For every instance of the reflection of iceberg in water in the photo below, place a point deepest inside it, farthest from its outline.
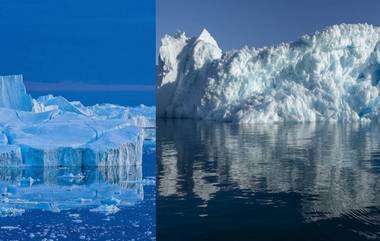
(104, 189)
(334, 167)
(168, 179)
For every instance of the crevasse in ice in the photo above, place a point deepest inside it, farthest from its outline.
(52, 131)
(331, 75)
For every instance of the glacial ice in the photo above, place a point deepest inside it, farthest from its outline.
(52, 131)
(13, 93)
(332, 75)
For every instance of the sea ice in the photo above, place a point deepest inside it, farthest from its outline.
(332, 75)
(106, 209)
(10, 212)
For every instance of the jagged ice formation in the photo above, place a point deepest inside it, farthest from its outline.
(332, 75)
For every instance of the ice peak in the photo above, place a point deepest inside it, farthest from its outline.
(13, 93)
(180, 34)
(12, 76)
(206, 37)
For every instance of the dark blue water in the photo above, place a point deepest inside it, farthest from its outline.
(60, 206)
(268, 182)
(125, 98)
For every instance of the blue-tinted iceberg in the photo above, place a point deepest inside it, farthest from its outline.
(332, 75)
(52, 131)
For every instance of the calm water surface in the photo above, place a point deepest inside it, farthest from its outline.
(268, 182)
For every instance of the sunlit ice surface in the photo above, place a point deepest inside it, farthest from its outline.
(223, 181)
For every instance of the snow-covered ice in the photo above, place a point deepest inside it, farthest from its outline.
(52, 131)
(332, 75)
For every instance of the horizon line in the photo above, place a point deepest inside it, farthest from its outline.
(86, 87)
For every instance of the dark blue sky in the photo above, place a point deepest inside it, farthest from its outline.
(91, 41)
(235, 23)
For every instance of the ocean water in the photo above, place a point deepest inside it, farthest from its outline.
(63, 203)
(220, 181)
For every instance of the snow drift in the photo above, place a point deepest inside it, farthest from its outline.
(52, 131)
(332, 75)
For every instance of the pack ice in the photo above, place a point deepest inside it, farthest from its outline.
(332, 75)
(52, 131)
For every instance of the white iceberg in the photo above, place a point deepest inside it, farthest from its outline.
(332, 75)
(52, 131)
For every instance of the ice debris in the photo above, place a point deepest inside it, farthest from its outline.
(106, 209)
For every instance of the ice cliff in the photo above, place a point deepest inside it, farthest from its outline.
(52, 131)
(13, 94)
(332, 75)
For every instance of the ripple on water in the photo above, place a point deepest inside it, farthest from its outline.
(283, 177)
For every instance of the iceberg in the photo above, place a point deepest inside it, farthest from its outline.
(331, 75)
(52, 131)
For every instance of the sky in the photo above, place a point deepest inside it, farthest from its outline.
(84, 43)
(258, 23)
